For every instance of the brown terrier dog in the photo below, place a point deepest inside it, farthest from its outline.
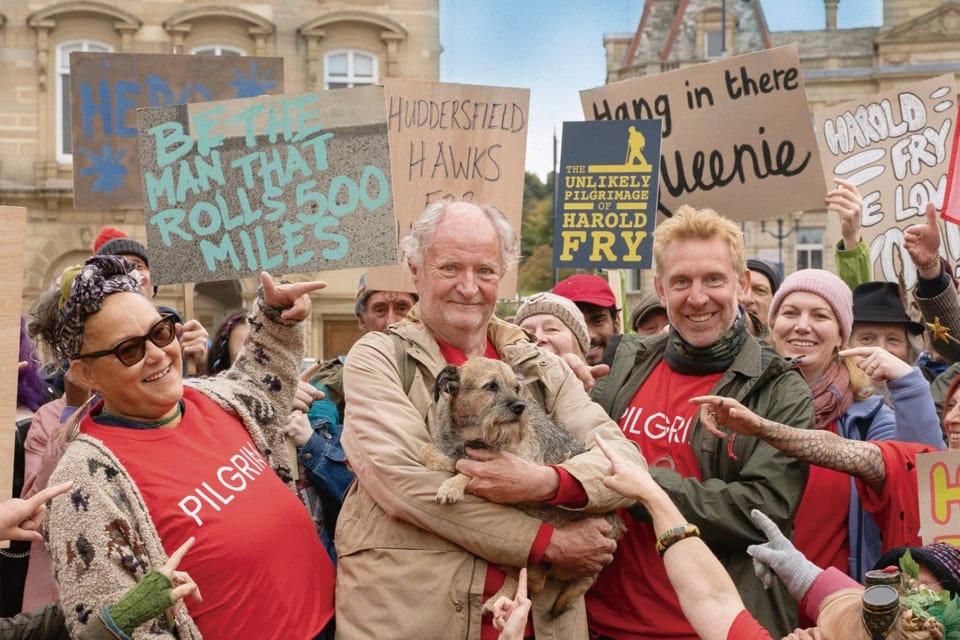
(481, 406)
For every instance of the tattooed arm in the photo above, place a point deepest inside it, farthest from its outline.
(860, 459)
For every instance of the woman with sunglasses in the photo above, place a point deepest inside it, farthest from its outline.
(157, 461)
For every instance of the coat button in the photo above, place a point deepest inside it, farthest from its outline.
(308, 457)
(458, 605)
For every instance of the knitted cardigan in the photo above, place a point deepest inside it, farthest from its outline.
(100, 535)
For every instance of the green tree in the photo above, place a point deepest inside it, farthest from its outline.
(536, 246)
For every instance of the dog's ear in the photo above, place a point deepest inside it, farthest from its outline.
(447, 382)
(520, 379)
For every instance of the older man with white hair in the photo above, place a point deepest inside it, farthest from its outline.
(410, 568)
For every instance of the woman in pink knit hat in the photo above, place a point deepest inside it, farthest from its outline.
(810, 321)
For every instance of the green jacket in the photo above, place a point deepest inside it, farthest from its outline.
(854, 266)
(737, 476)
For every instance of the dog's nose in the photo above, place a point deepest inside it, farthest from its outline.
(518, 406)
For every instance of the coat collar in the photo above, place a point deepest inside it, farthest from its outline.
(511, 342)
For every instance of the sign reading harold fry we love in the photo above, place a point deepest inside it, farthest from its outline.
(938, 475)
(106, 89)
(895, 148)
(285, 184)
(737, 133)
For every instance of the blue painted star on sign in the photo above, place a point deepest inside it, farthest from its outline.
(250, 86)
(107, 167)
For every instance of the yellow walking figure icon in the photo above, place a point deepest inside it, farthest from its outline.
(635, 144)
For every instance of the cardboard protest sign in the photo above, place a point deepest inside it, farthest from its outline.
(454, 141)
(278, 183)
(737, 133)
(106, 89)
(895, 148)
(938, 475)
(607, 208)
(14, 221)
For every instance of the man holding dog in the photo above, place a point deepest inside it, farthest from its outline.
(412, 568)
(700, 274)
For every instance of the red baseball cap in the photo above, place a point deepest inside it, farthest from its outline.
(587, 288)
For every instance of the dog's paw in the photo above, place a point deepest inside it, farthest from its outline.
(452, 490)
(449, 495)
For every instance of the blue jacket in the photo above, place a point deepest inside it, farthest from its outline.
(913, 419)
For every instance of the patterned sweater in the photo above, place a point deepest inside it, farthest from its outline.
(100, 535)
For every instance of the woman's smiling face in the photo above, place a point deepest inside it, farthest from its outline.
(149, 389)
(807, 327)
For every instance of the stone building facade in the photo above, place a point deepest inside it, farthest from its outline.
(919, 39)
(324, 44)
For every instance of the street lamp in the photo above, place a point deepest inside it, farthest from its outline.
(780, 235)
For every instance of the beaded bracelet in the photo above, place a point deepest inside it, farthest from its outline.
(671, 536)
(928, 265)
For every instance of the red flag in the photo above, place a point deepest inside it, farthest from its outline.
(951, 199)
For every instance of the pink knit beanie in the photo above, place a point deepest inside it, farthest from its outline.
(826, 285)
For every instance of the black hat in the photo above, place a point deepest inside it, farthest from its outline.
(113, 242)
(770, 270)
(879, 303)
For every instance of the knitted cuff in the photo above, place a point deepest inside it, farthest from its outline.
(146, 600)
(798, 576)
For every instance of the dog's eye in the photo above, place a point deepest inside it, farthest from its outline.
(516, 388)
(491, 386)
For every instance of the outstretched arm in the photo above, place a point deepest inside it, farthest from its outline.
(707, 595)
(860, 459)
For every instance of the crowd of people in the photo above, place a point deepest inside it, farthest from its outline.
(756, 434)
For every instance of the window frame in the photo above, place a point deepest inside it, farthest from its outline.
(350, 80)
(706, 43)
(62, 104)
(218, 50)
(809, 248)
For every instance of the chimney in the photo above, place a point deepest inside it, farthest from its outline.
(831, 7)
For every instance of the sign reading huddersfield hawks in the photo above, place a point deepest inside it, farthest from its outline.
(607, 205)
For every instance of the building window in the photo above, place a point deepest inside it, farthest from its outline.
(809, 248)
(713, 44)
(349, 68)
(217, 50)
(64, 131)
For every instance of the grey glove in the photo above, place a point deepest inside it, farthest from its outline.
(778, 555)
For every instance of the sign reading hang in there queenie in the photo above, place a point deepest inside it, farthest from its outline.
(737, 133)
(895, 148)
(106, 89)
(607, 208)
(286, 184)
(938, 476)
(14, 221)
(454, 141)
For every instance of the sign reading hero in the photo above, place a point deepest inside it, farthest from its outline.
(285, 184)
(608, 194)
(106, 89)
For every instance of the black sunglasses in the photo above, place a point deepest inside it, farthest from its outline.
(132, 350)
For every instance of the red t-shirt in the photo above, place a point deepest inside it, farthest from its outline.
(632, 597)
(820, 526)
(257, 559)
(896, 508)
(746, 627)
